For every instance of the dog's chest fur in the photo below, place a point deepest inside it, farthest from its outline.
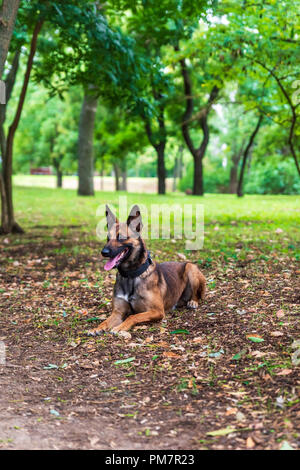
(126, 289)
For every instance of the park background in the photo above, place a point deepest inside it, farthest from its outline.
(169, 102)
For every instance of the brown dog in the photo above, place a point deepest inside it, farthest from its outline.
(144, 290)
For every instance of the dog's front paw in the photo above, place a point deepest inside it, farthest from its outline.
(97, 331)
(192, 304)
(125, 326)
(94, 332)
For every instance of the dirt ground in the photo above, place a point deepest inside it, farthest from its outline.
(221, 377)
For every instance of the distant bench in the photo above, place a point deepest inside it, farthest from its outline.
(41, 171)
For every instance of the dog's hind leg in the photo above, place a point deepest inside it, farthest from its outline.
(196, 282)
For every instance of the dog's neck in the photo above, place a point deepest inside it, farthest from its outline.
(134, 267)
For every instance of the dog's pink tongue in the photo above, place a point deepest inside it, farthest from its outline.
(112, 262)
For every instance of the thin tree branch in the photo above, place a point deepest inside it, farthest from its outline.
(245, 157)
(293, 110)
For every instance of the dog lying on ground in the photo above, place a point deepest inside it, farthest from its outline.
(144, 290)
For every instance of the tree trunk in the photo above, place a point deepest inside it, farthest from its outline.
(85, 143)
(175, 174)
(180, 162)
(290, 140)
(2, 140)
(124, 180)
(4, 212)
(7, 208)
(158, 140)
(59, 173)
(160, 151)
(197, 153)
(245, 156)
(233, 178)
(59, 179)
(8, 14)
(198, 188)
(102, 176)
(9, 85)
(177, 167)
(122, 168)
(161, 170)
(117, 176)
(235, 160)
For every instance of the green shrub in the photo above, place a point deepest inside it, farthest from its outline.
(270, 177)
(273, 178)
(216, 178)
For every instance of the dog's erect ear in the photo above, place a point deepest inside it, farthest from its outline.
(110, 217)
(134, 220)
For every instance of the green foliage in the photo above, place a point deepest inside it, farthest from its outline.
(79, 46)
(126, 49)
(48, 132)
(273, 177)
(216, 178)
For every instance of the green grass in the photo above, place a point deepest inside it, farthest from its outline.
(54, 206)
(228, 220)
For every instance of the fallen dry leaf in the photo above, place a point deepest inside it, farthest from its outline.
(250, 443)
(197, 340)
(285, 372)
(163, 344)
(171, 355)
(280, 314)
(231, 411)
(149, 339)
(125, 334)
(257, 353)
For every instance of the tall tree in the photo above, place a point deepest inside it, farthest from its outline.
(156, 28)
(9, 82)
(158, 140)
(72, 24)
(106, 61)
(120, 142)
(86, 143)
(266, 38)
(8, 14)
(9, 223)
(198, 153)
